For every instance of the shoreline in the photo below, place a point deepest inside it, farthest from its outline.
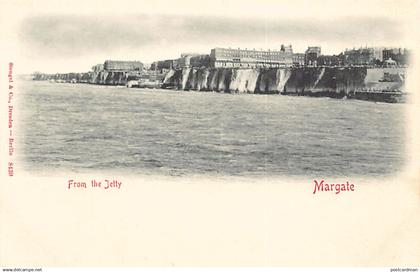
(372, 96)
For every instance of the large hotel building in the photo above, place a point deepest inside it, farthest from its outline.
(243, 58)
(118, 65)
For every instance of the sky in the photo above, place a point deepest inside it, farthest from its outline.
(74, 43)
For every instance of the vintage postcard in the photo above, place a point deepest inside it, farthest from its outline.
(209, 133)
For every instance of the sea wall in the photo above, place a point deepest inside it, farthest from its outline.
(312, 81)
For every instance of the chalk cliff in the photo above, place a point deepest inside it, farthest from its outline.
(313, 81)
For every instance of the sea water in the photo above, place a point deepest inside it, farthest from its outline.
(82, 128)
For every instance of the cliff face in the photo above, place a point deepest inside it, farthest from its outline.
(314, 81)
(228, 80)
(109, 78)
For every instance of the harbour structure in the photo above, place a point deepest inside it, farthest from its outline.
(244, 58)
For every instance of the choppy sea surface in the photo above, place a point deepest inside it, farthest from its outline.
(81, 128)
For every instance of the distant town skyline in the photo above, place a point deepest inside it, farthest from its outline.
(75, 43)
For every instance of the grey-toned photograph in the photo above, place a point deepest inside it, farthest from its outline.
(210, 134)
(182, 95)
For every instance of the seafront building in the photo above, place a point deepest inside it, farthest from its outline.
(399, 55)
(186, 60)
(111, 69)
(378, 53)
(298, 59)
(200, 61)
(97, 68)
(329, 60)
(119, 65)
(377, 56)
(231, 58)
(361, 56)
(311, 55)
(163, 65)
(117, 72)
(244, 58)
